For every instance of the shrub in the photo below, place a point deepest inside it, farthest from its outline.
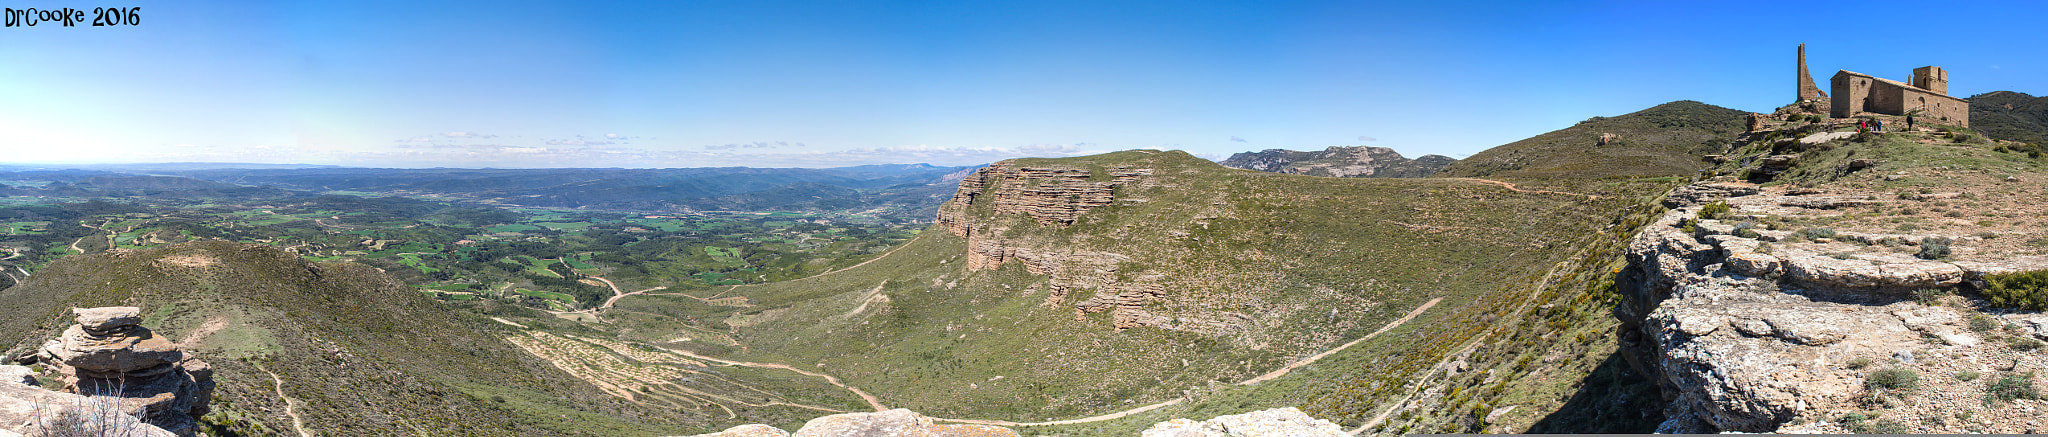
(1982, 323)
(2010, 387)
(1746, 230)
(2027, 290)
(1859, 362)
(1895, 381)
(1715, 211)
(1968, 375)
(1812, 233)
(1934, 247)
(1929, 296)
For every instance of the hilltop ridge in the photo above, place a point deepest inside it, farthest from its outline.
(1663, 140)
(1340, 161)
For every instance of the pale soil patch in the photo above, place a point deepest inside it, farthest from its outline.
(199, 335)
(190, 260)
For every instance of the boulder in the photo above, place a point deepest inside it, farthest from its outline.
(108, 354)
(893, 423)
(748, 430)
(106, 319)
(1288, 421)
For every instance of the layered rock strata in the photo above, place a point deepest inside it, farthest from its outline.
(1052, 196)
(107, 354)
(1747, 330)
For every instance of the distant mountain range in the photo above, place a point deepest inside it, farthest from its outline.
(1340, 161)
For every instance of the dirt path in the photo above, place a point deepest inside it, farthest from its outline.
(508, 322)
(290, 406)
(1312, 359)
(1421, 384)
(1512, 187)
(872, 401)
(1261, 378)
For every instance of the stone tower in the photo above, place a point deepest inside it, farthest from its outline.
(1931, 78)
(1807, 89)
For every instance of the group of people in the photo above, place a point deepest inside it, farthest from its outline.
(1875, 125)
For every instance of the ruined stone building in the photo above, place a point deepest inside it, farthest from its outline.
(1807, 90)
(1857, 92)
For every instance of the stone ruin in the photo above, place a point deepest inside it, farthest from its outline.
(108, 362)
(1808, 91)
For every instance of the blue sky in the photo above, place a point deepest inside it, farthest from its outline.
(828, 83)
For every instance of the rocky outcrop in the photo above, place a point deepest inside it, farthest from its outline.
(1049, 195)
(1275, 422)
(1052, 196)
(893, 423)
(107, 354)
(1747, 337)
(748, 430)
(1341, 162)
(1701, 194)
(27, 409)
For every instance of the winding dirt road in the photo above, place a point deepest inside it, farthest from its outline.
(1512, 187)
(1261, 378)
(872, 401)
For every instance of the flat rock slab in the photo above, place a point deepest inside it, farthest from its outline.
(1825, 137)
(106, 318)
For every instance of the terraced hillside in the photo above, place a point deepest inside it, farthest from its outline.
(1063, 288)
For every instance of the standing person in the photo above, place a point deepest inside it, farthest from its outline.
(1909, 121)
(1880, 125)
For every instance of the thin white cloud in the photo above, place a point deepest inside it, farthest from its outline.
(1366, 138)
(1234, 138)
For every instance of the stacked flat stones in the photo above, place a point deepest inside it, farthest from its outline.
(109, 354)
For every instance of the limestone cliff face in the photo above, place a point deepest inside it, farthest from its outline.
(1051, 196)
(1754, 329)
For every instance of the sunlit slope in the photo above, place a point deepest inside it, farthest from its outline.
(1666, 139)
(1214, 274)
(358, 352)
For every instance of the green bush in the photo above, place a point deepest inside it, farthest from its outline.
(2023, 344)
(1929, 296)
(1982, 323)
(1812, 233)
(1859, 362)
(1715, 211)
(1968, 375)
(1895, 381)
(1746, 230)
(1934, 247)
(2026, 290)
(2010, 387)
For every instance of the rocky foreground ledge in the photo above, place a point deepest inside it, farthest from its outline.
(1751, 329)
(1288, 422)
(119, 379)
